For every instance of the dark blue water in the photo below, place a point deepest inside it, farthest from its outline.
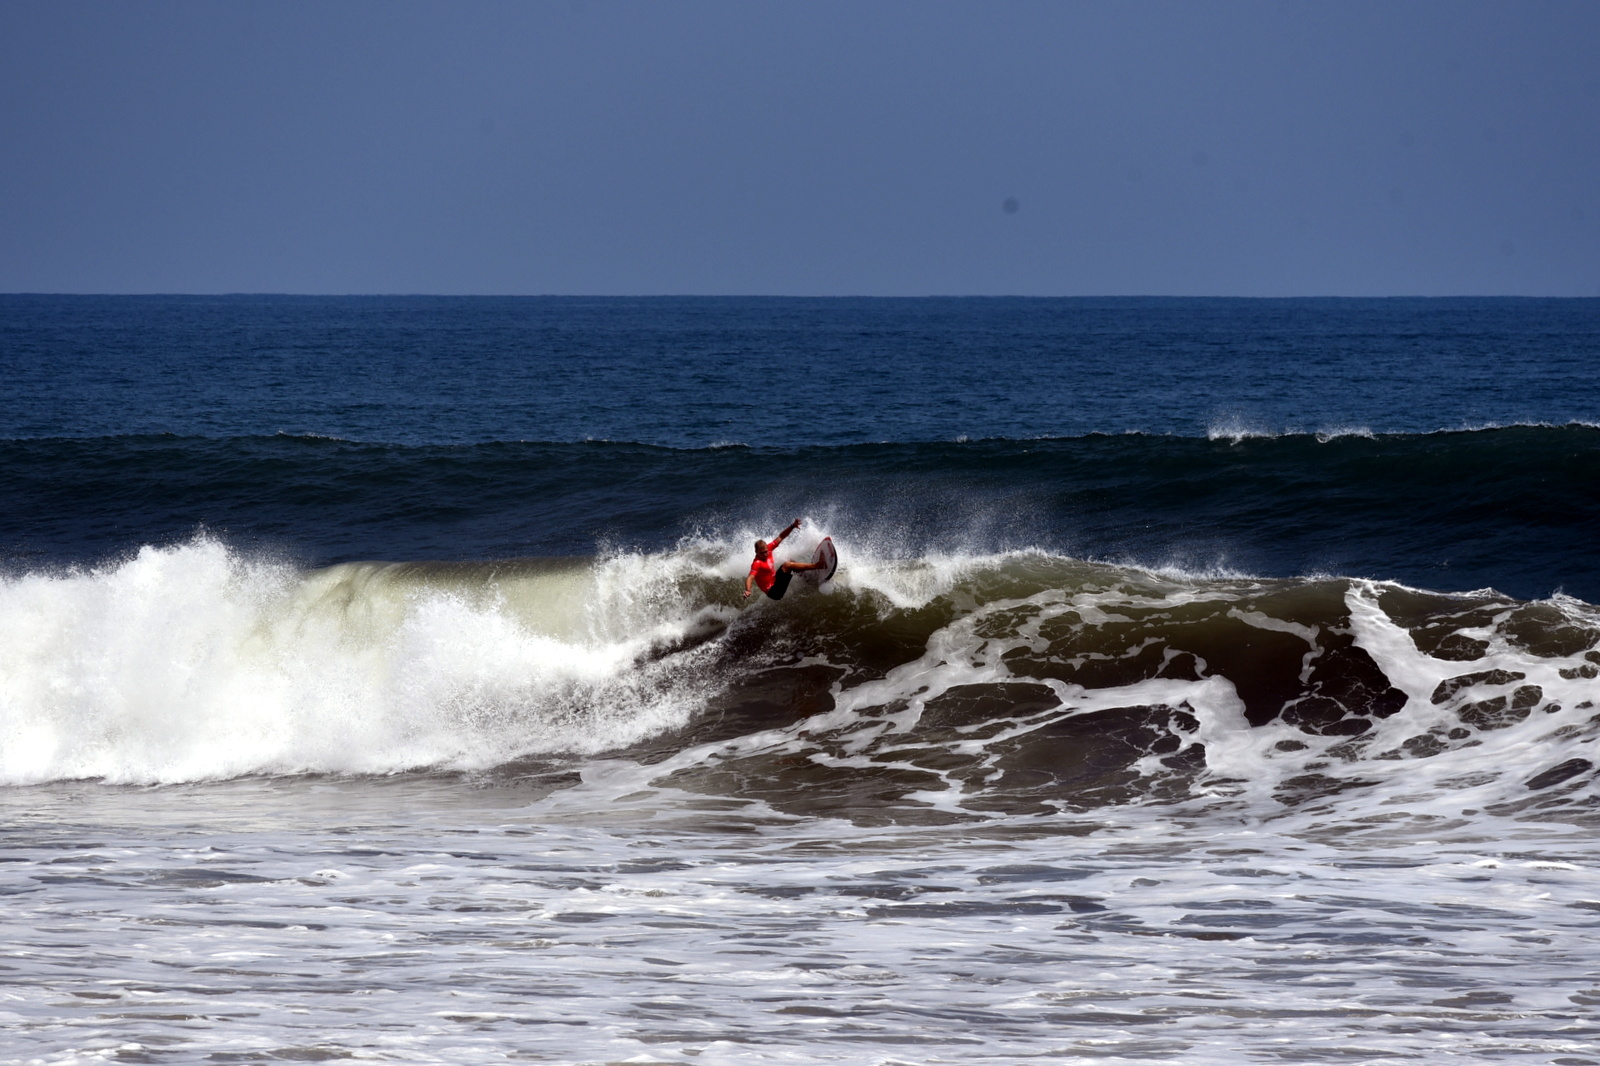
(1442, 443)
(688, 373)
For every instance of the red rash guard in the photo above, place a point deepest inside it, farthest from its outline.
(764, 571)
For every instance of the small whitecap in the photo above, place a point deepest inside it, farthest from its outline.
(1234, 429)
(1335, 432)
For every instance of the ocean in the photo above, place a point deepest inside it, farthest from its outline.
(1204, 681)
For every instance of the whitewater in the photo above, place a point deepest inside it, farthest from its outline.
(197, 662)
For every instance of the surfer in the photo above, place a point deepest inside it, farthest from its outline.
(765, 572)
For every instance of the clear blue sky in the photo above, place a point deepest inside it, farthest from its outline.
(862, 147)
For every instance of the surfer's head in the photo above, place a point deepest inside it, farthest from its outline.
(761, 549)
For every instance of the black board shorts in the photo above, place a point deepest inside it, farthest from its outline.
(780, 584)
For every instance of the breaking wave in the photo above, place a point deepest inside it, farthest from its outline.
(924, 688)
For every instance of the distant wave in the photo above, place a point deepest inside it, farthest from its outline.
(1235, 431)
(1508, 507)
(1227, 430)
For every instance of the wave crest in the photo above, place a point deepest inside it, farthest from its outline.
(927, 687)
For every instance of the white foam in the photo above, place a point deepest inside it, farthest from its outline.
(196, 662)
(1234, 428)
(1250, 764)
(1335, 432)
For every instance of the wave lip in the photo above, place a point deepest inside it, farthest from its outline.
(1336, 432)
(1235, 429)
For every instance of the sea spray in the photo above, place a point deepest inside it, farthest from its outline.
(199, 662)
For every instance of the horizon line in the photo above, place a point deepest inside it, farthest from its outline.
(780, 296)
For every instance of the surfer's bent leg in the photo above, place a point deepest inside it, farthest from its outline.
(780, 582)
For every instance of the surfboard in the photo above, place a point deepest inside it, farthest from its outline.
(825, 554)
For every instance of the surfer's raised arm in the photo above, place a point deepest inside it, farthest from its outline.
(790, 528)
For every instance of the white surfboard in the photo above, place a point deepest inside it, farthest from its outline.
(825, 554)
